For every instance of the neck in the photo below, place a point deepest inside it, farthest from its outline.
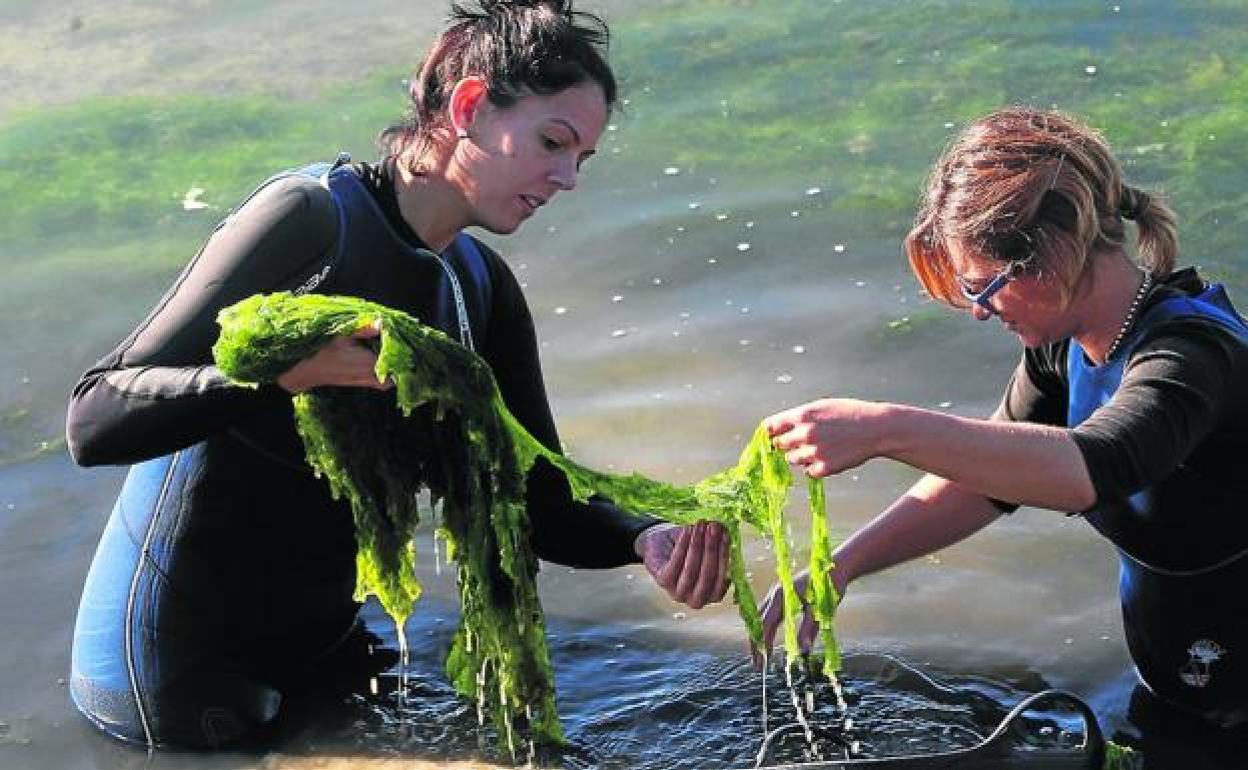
(430, 204)
(1112, 303)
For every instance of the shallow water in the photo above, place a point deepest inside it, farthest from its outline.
(734, 249)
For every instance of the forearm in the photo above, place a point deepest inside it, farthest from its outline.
(1022, 463)
(934, 514)
(127, 415)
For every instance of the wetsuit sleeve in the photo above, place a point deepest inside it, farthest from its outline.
(592, 534)
(159, 391)
(1035, 394)
(1178, 386)
(1037, 389)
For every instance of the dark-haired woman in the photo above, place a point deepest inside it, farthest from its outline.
(225, 574)
(1129, 406)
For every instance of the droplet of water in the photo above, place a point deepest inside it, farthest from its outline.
(784, 379)
(619, 333)
(860, 284)
(749, 225)
(813, 191)
(743, 246)
(1090, 69)
(694, 206)
(672, 171)
(712, 261)
(799, 349)
(721, 217)
(678, 616)
(618, 298)
(745, 310)
(838, 248)
(560, 310)
(795, 214)
(657, 281)
(945, 404)
(743, 343)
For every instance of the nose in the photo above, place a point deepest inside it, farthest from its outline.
(564, 173)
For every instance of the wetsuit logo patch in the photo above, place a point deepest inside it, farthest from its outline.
(1204, 653)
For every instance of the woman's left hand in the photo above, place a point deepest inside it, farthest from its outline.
(689, 562)
(828, 436)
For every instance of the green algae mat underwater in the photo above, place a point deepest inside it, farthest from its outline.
(444, 428)
(857, 98)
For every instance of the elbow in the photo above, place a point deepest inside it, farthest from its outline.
(83, 443)
(88, 437)
(1083, 502)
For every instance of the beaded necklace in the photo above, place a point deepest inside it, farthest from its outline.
(1129, 319)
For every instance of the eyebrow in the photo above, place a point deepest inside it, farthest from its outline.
(575, 134)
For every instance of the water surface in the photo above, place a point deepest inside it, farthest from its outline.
(734, 249)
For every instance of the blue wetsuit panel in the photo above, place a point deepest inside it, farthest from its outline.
(1182, 626)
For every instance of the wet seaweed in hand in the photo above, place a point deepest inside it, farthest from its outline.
(444, 428)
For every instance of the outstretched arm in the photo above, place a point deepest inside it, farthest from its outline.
(1017, 462)
(934, 514)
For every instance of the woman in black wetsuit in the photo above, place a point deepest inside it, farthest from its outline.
(226, 571)
(1129, 406)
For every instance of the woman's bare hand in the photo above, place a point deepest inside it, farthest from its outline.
(343, 361)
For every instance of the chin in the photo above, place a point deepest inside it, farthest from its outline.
(500, 228)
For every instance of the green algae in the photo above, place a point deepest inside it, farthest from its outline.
(1119, 757)
(445, 429)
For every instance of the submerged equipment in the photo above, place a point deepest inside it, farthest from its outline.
(444, 428)
(1006, 747)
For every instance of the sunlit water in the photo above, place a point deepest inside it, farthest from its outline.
(694, 284)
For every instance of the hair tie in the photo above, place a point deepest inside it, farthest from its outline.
(1131, 202)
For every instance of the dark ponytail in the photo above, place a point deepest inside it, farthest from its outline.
(517, 47)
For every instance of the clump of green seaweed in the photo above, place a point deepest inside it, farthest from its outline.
(445, 428)
(1119, 757)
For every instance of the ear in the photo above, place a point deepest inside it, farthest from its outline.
(467, 98)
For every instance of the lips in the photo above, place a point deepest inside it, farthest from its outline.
(532, 202)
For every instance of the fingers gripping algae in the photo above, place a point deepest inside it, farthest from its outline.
(444, 428)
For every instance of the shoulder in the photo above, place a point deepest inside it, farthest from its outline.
(1192, 329)
(295, 204)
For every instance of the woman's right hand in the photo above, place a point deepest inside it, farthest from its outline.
(343, 361)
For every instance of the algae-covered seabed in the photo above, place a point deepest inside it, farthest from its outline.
(733, 249)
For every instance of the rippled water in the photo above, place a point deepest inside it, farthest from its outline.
(734, 249)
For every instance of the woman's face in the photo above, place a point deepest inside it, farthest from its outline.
(517, 158)
(1032, 305)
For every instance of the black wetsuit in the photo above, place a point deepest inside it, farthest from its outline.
(1163, 429)
(227, 569)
